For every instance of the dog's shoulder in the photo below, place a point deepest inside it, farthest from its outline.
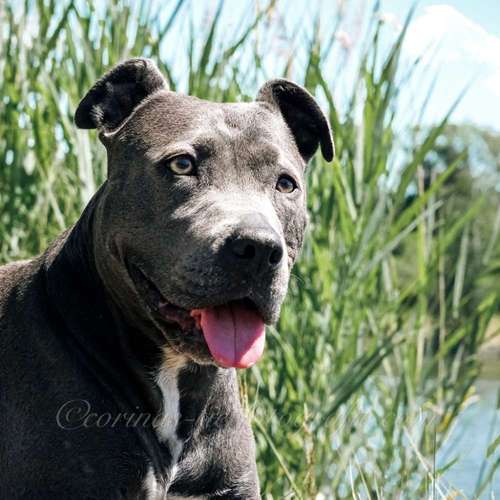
(20, 287)
(14, 274)
(23, 288)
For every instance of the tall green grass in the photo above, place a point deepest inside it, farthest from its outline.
(373, 357)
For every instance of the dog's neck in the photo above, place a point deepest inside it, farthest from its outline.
(90, 321)
(120, 356)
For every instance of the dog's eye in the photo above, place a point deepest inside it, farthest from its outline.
(181, 165)
(286, 184)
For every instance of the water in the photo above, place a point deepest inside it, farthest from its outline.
(475, 429)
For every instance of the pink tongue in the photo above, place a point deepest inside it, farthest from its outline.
(235, 334)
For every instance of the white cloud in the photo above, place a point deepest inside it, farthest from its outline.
(493, 83)
(453, 36)
(461, 52)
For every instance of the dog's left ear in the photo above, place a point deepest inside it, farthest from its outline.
(307, 123)
(115, 95)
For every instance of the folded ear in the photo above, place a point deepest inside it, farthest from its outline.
(114, 96)
(304, 117)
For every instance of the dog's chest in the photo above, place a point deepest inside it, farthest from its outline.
(166, 425)
(185, 390)
(155, 491)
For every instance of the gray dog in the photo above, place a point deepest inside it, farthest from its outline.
(118, 344)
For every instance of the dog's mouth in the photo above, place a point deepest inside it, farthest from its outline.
(234, 332)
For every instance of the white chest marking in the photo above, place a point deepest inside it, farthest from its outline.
(166, 425)
(155, 491)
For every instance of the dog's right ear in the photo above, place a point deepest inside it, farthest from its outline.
(307, 123)
(114, 96)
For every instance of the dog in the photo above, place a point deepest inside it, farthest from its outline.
(119, 344)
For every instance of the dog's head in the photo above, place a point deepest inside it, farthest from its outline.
(203, 212)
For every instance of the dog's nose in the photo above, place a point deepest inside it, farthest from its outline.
(258, 248)
(254, 249)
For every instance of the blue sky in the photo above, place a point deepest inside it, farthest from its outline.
(486, 13)
(459, 40)
(466, 34)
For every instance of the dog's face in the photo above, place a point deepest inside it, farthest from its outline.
(203, 213)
